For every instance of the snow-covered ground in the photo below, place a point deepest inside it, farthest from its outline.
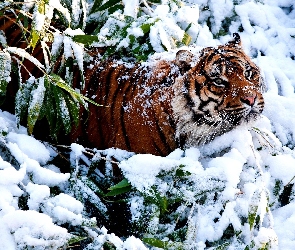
(243, 172)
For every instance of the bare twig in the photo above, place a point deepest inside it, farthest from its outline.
(87, 152)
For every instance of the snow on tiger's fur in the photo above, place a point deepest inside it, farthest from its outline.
(158, 106)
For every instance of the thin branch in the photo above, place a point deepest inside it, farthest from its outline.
(86, 151)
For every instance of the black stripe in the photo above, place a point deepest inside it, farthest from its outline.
(129, 88)
(119, 85)
(160, 152)
(105, 77)
(213, 53)
(122, 121)
(161, 134)
(187, 85)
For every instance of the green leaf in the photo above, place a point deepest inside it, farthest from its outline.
(62, 109)
(49, 110)
(22, 53)
(119, 191)
(252, 215)
(121, 184)
(223, 246)
(74, 239)
(108, 4)
(74, 108)
(181, 173)
(188, 27)
(164, 244)
(116, 7)
(122, 187)
(3, 40)
(36, 101)
(43, 108)
(186, 39)
(85, 39)
(60, 83)
(162, 202)
(146, 27)
(41, 6)
(155, 242)
(35, 37)
(90, 184)
(22, 99)
(5, 70)
(95, 6)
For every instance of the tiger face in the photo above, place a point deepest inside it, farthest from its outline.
(222, 91)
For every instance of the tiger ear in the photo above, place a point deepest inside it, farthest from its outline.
(236, 42)
(183, 60)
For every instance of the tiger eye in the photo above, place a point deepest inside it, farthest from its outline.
(218, 82)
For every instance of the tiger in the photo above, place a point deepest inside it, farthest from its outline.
(157, 106)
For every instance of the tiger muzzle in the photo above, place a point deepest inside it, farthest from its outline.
(249, 99)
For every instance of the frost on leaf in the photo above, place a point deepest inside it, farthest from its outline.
(36, 102)
(5, 68)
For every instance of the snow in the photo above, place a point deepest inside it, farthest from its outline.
(22, 141)
(24, 54)
(131, 7)
(284, 219)
(31, 228)
(242, 172)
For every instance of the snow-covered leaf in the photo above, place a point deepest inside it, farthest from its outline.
(36, 102)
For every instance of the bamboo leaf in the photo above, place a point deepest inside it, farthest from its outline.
(118, 191)
(35, 37)
(75, 239)
(49, 109)
(108, 4)
(116, 7)
(5, 70)
(3, 40)
(62, 109)
(85, 39)
(95, 6)
(253, 208)
(60, 83)
(121, 184)
(181, 173)
(41, 6)
(252, 216)
(24, 54)
(37, 97)
(146, 27)
(186, 39)
(56, 47)
(162, 202)
(90, 184)
(74, 108)
(22, 99)
(155, 242)
(164, 244)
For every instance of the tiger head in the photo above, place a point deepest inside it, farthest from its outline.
(222, 90)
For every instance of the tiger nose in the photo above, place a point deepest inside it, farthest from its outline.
(249, 99)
